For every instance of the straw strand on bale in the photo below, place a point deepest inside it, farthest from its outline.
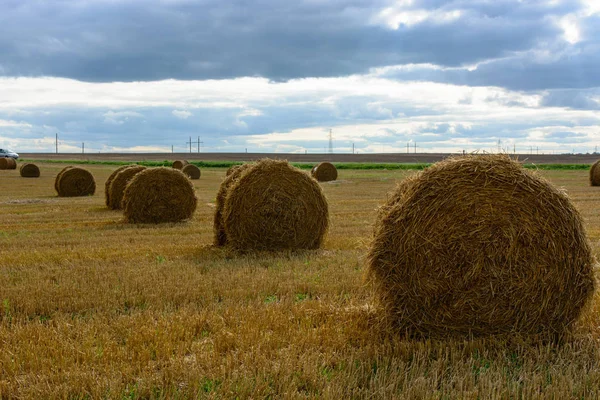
(595, 174)
(192, 171)
(109, 181)
(29, 170)
(479, 245)
(76, 182)
(179, 164)
(119, 183)
(158, 195)
(233, 168)
(274, 206)
(324, 172)
(233, 173)
(57, 179)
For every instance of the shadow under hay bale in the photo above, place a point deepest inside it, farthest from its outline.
(324, 172)
(479, 245)
(274, 206)
(233, 173)
(109, 181)
(191, 171)
(119, 183)
(29, 170)
(159, 195)
(595, 174)
(179, 164)
(57, 179)
(75, 182)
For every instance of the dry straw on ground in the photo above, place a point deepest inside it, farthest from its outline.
(109, 181)
(29, 170)
(479, 245)
(595, 174)
(233, 173)
(57, 179)
(159, 195)
(273, 206)
(119, 183)
(191, 171)
(324, 172)
(179, 164)
(75, 182)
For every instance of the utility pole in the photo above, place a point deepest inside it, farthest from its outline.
(330, 142)
(415, 147)
(352, 147)
(190, 143)
(514, 148)
(82, 148)
(407, 147)
(171, 148)
(56, 142)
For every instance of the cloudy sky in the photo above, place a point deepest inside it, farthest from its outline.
(276, 76)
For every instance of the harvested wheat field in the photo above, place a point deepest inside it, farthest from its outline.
(93, 307)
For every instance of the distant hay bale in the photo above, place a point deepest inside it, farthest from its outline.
(4, 162)
(233, 173)
(595, 174)
(191, 171)
(119, 183)
(109, 181)
(29, 170)
(12, 163)
(159, 195)
(274, 206)
(324, 172)
(75, 182)
(479, 245)
(57, 179)
(179, 164)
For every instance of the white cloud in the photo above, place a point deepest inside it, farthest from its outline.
(182, 114)
(120, 117)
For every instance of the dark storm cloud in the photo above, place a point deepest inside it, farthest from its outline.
(101, 40)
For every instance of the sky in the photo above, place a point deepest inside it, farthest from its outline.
(278, 76)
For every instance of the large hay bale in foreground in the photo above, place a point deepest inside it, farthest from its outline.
(109, 181)
(29, 170)
(274, 206)
(479, 245)
(233, 168)
(179, 164)
(324, 172)
(233, 173)
(191, 171)
(75, 182)
(57, 179)
(119, 183)
(159, 195)
(595, 174)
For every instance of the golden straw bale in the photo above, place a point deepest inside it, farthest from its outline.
(191, 171)
(29, 170)
(179, 164)
(274, 206)
(595, 174)
(233, 168)
(479, 245)
(75, 182)
(57, 179)
(109, 181)
(12, 163)
(4, 162)
(324, 172)
(159, 195)
(119, 183)
(233, 173)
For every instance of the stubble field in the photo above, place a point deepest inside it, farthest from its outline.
(95, 308)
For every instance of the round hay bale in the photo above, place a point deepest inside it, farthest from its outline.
(75, 182)
(179, 164)
(159, 195)
(57, 179)
(274, 206)
(324, 172)
(479, 245)
(191, 171)
(4, 162)
(12, 163)
(119, 183)
(595, 174)
(109, 181)
(233, 173)
(28, 170)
